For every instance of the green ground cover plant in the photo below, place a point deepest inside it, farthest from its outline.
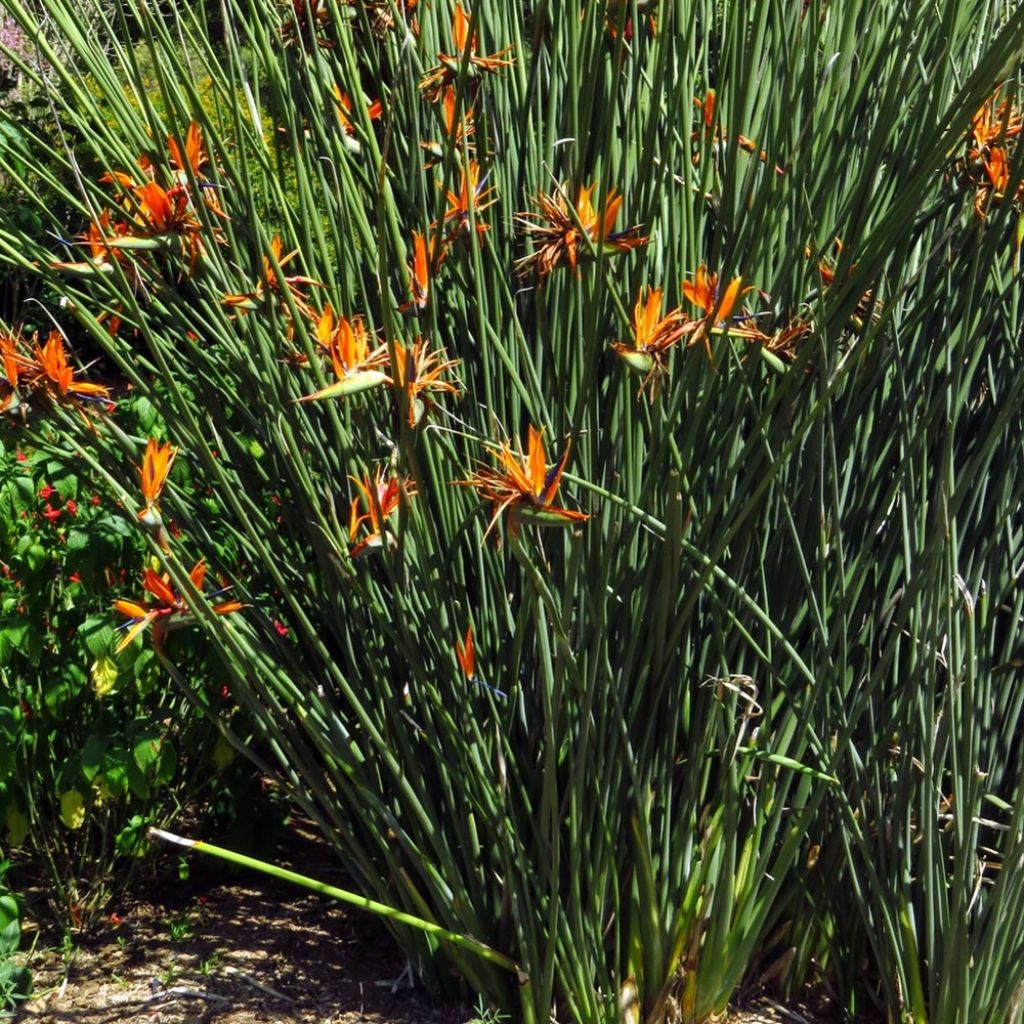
(603, 444)
(95, 748)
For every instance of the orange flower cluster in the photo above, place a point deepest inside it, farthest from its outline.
(447, 70)
(285, 290)
(149, 216)
(376, 502)
(169, 610)
(359, 366)
(524, 485)
(655, 334)
(991, 151)
(563, 234)
(45, 370)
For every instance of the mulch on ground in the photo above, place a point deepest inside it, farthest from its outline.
(233, 947)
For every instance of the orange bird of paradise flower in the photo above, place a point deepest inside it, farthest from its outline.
(995, 181)
(782, 342)
(706, 108)
(169, 610)
(457, 130)
(101, 238)
(343, 108)
(423, 267)
(165, 214)
(192, 156)
(653, 336)
(465, 654)
(560, 235)
(447, 69)
(57, 376)
(309, 19)
(618, 13)
(380, 498)
(705, 294)
(268, 283)
(16, 368)
(417, 372)
(992, 124)
(190, 159)
(524, 485)
(356, 365)
(156, 464)
(471, 195)
(381, 18)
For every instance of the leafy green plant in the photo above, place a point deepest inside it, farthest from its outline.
(95, 749)
(595, 668)
(15, 981)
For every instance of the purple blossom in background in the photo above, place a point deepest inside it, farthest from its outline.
(12, 39)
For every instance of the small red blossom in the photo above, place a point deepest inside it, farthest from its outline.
(21, 456)
(116, 920)
(281, 628)
(94, 500)
(74, 578)
(45, 491)
(71, 507)
(225, 693)
(53, 514)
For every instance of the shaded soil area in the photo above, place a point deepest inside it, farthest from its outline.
(237, 951)
(233, 947)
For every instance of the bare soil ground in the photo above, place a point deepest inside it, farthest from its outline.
(239, 948)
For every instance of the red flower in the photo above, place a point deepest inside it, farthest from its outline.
(45, 491)
(71, 507)
(281, 628)
(21, 456)
(94, 500)
(74, 578)
(116, 920)
(53, 514)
